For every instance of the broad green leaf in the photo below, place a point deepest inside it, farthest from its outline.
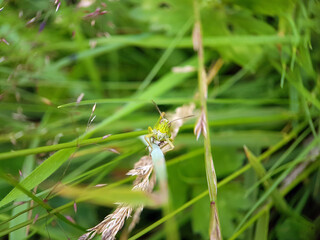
(201, 213)
(244, 21)
(290, 229)
(226, 160)
(271, 7)
(164, 15)
(231, 203)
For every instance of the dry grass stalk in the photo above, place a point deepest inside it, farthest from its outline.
(214, 70)
(312, 156)
(202, 125)
(216, 231)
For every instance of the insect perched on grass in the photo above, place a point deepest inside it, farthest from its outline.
(161, 132)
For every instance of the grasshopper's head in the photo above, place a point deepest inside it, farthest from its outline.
(162, 129)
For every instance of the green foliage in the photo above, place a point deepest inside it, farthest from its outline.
(39, 174)
(232, 209)
(293, 229)
(227, 160)
(265, 96)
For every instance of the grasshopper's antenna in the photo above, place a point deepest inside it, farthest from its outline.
(181, 118)
(156, 107)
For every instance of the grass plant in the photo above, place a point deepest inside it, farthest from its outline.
(77, 81)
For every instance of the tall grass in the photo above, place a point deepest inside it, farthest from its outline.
(250, 68)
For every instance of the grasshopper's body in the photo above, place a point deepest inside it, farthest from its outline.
(161, 133)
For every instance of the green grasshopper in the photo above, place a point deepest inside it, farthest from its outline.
(161, 132)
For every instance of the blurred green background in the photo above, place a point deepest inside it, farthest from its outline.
(122, 54)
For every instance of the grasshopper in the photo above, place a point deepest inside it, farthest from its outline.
(161, 132)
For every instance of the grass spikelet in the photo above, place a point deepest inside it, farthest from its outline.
(200, 126)
(113, 223)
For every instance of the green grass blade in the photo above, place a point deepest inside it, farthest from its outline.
(106, 196)
(38, 175)
(164, 57)
(262, 227)
(72, 144)
(297, 160)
